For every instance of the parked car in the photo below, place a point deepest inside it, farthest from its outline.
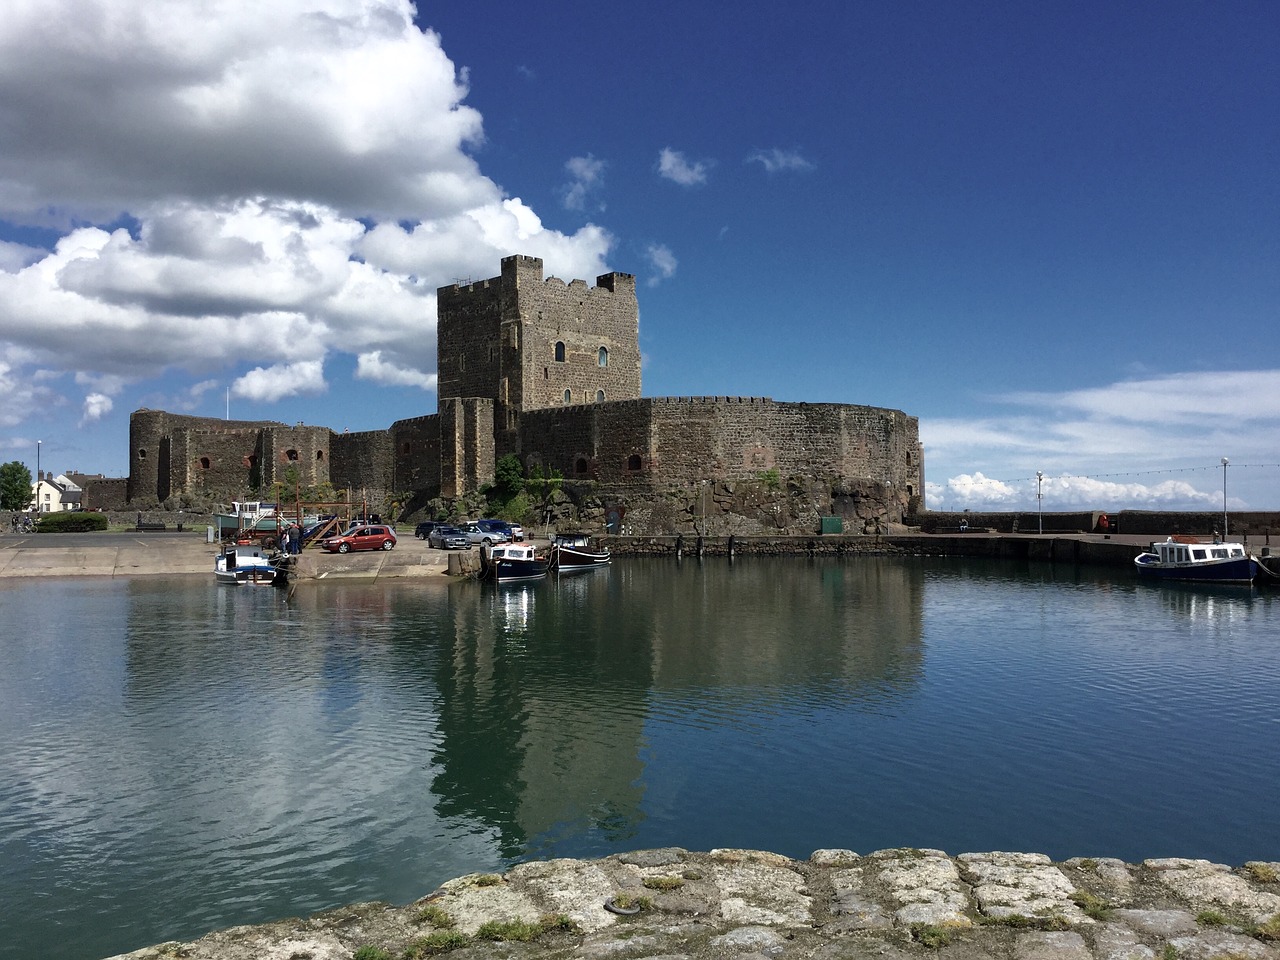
(445, 537)
(362, 538)
(485, 531)
(512, 530)
(423, 530)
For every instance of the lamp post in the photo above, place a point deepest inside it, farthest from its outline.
(1040, 500)
(40, 478)
(1225, 461)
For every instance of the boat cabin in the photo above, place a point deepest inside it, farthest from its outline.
(1173, 552)
(512, 551)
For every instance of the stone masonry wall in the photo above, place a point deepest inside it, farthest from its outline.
(732, 903)
(363, 463)
(597, 330)
(500, 338)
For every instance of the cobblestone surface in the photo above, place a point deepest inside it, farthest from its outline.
(672, 904)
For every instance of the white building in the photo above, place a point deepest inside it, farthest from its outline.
(49, 494)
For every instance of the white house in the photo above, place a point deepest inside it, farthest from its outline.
(49, 494)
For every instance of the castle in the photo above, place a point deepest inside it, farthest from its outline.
(550, 372)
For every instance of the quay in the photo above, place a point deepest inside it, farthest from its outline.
(746, 904)
(188, 554)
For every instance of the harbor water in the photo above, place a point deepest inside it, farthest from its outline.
(179, 756)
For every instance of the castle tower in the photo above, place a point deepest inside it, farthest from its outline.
(529, 343)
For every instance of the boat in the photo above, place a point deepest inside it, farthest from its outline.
(245, 563)
(1188, 558)
(513, 563)
(246, 518)
(571, 552)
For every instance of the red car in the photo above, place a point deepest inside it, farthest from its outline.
(362, 538)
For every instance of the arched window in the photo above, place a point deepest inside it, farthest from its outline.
(204, 463)
(142, 454)
(580, 466)
(291, 454)
(599, 396)
(633, 462)
(319, 454)
(406, 446)
(602, 357)
(568, 396)
(559, 351)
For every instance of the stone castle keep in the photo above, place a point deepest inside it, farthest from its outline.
(550, 371)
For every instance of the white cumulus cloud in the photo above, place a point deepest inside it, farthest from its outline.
(663, 262)
(674, 166)
(241, 186)
(280, 380)
(776, 160)
(586, 180)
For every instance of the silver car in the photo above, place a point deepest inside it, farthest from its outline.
(482, 531)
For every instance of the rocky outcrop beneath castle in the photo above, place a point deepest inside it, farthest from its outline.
(764, 505)
(671, 903)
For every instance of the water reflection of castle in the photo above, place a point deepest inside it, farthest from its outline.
(552, 704)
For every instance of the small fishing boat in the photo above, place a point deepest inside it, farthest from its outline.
(245, 563)
(512, 563)
(1187, 558)
(571, 552)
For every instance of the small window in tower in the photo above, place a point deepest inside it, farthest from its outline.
(603, 357)
(580, 466)
(633, 462)
(406, 447)
(546, 373)
(319, 454)
(559, 351)
(568, 396)
(142, 454)
(599, 396)
(204, 463)
(291, 454)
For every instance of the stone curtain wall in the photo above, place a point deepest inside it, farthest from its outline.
(363, 464)
(416, 443)
(868, 457)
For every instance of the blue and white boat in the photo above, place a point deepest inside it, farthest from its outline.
(1184, 558)
(245, 564)
(512, 563)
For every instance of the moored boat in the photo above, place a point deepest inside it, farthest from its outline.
(1185, 558)
(513, 563)
(571, 552)
(245, 564)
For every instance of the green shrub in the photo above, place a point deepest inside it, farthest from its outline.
(663, 883)
(371, 953)
(71, 522)
(442, 941)
(520, 931)
(435, 916)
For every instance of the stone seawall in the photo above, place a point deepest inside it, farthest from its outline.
(1068, 549)
(672, 903)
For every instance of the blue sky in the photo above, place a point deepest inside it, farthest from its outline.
(1050, 231)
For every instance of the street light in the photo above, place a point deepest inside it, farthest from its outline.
(38, 477)
(1225, 461)
(1039, 500)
